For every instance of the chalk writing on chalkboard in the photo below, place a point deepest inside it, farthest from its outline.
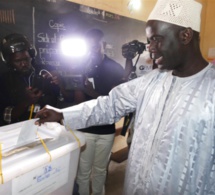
(47, 40)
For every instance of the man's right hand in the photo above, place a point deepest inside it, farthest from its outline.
(33, 95)
(48, 115)
(129, 51)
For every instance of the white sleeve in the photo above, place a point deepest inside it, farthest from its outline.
(105, 109)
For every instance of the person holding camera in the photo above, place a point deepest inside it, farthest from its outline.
(101, 75)
(25, 89)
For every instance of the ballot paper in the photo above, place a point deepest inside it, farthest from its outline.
(27, 132)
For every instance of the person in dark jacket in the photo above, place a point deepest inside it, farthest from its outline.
(101, 75)
(24, 88)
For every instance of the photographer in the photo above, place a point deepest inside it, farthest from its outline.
(25, 89)
(104, 73)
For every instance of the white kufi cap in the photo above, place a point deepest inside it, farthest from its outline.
(186, 13)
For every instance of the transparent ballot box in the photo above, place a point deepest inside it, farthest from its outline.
(38, 160)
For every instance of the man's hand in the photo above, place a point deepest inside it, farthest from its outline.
(129, 51)
(33, 95)
(48, 115)
(55, 78)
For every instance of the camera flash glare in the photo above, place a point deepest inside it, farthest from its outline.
(74, 47)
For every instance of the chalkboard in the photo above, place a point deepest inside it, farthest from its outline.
(15, 17)
(51, 26)
(46, 22)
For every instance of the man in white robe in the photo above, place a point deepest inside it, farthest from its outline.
(173, 148)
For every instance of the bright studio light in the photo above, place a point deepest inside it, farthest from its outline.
(74, 47)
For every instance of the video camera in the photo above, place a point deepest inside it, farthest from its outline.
(41, 83)
(131, 49)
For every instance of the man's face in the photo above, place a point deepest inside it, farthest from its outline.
(96, 50)
(21, 62)
(164, 45)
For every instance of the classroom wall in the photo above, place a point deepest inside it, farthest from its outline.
(121, 7)
(208, 36)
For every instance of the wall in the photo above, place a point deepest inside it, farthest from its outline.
(121, 7)
(208, 37)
